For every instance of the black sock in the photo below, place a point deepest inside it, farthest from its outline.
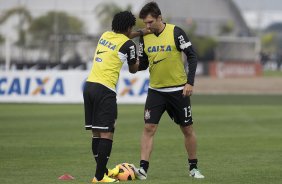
(95, 145)
(193, 163)
(104, 152)
(144, 164)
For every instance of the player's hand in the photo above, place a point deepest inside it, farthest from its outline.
(188, 90)
(146, 31)
(134, 68)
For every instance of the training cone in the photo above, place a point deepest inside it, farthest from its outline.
(66, 177)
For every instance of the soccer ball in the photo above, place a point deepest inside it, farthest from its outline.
(126, 172)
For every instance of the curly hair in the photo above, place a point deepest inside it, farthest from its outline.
(151, 8)
(122, 21)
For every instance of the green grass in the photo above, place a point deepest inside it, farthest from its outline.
(271, 73)
(239, 141)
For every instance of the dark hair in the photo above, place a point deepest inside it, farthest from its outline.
(122, 21)
(151, 8)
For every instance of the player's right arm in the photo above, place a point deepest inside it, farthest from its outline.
(140, 32)
(143, 58)
(128, 53)
(183, 44)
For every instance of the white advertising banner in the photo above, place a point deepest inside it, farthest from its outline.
(65, 86)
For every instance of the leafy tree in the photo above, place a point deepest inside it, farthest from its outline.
(204, 45)
(1, 39)
(48, 32)
(139, 23)
(25, 19)
(272, 38)
(226, 28)
(275, 27)
(268, 42)
(106, 11)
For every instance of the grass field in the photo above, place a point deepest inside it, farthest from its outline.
(239, 141)
(271, 73)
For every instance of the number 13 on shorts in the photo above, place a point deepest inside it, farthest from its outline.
(187, 111)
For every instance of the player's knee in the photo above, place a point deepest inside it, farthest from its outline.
(107, 135)
(150, 128)
(188, 131)
(95, 133)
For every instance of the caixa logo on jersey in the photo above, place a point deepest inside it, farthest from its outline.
(44, 86)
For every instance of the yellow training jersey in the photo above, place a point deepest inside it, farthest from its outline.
(165, 61)
(107, 61)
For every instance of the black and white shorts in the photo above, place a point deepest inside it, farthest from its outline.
(177, 106)
(100, 107)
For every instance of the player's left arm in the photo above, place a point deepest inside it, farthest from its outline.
(127, 53)
(183, 44)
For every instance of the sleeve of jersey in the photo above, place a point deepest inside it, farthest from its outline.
(183, 44)
(127, 52)
(143, 58)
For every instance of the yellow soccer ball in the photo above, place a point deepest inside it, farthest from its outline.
(126, 172)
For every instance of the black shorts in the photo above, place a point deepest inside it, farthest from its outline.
(100, 107)
(177, 106)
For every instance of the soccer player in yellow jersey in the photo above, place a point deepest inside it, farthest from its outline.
(170, 88)
(114, 48)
